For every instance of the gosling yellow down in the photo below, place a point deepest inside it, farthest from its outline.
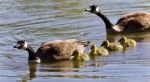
(78, 56)
(112, 46)
(98, 51)
(127, 43)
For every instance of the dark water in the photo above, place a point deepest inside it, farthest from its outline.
(38, 21)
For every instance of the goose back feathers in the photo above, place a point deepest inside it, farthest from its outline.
(60, 50)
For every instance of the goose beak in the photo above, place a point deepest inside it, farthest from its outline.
(16, 46)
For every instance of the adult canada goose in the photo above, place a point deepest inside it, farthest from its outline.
(112, 46)
(127, 43)
(78, 56)
(98, 51)
(54, 50)
(132, 22)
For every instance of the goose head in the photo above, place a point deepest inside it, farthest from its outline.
(93, 9)
(21, 44)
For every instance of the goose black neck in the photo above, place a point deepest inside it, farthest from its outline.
(32, 55)
(108, 24)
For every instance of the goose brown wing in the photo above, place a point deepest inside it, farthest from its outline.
(60, 50)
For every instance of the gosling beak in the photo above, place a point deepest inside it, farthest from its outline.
(119, 40)
(102, 44)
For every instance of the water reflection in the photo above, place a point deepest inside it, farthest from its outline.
(32, 70)
(62, 69)
(139, 37)
(47, 69)
(61, 66)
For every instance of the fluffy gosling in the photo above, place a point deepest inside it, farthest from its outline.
(112, 46)
(78, 56)
(98, 51)
(127, 43)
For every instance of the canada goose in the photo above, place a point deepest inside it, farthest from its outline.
(98, 51)
(54, 50)
(132, 22)
(78, 56)
(127, 43)
(112, 46)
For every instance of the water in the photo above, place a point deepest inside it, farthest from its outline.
(38, 21)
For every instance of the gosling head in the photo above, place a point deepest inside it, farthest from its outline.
(93, 9)
(93, 47)
(123, 39)
(76, 53)
(105, 43)
(21, 44)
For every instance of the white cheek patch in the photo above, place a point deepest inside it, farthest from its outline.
(25, 46)
(97, 9)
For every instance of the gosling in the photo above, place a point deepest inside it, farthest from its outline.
(98, 51)
(112, 46)
(127, 43)
(78, 56)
